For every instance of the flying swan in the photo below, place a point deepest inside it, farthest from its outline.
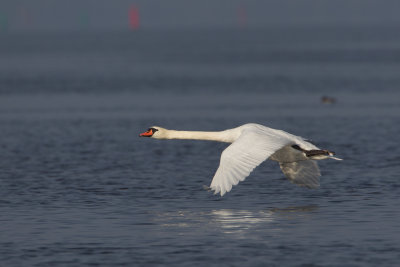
(251, 145)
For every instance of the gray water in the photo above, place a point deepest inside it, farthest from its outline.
(79, 187)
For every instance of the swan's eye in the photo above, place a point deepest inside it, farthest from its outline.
(152, 130)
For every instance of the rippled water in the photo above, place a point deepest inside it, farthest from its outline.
(79, 187)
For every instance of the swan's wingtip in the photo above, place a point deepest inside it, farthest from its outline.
(215, 190)
(207, 188)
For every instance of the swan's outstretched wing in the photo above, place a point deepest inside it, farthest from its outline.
(240, 158)
(303, 173)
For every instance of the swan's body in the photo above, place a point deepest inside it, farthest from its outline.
(251, 145)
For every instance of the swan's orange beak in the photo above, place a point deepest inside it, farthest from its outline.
(149, 133)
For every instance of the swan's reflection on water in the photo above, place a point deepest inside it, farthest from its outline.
(230, 221)
(239, 221)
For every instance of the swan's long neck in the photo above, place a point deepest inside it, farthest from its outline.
(223, 136)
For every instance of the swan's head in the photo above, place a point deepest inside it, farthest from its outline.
(155, 132)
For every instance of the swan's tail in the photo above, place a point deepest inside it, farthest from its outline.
(335, 158)
(317, 154)
(331, 155)
(321, 154)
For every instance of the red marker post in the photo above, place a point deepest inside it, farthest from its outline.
(134, 18)
(242, 16)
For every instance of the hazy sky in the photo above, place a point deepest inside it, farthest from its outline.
(18, 15)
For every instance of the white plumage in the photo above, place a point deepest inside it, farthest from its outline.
(251, 145)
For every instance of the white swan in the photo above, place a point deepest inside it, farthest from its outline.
(251, 145)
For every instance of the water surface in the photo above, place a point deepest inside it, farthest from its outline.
(79, 187)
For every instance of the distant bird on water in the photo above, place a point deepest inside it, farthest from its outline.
(251, 145)
(328, 100)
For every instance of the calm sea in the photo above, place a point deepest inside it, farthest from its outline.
(79, 187)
